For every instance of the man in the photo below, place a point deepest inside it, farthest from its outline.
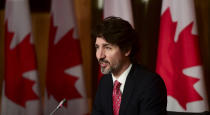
(126, 88)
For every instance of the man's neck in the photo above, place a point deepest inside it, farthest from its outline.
(124, 67)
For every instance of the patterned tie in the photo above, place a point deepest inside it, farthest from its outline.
(116, 97)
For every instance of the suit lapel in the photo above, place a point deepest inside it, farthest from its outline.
(128, 89)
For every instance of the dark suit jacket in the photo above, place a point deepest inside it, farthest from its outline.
(144, 94)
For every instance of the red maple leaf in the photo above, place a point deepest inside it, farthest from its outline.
(19, 60)
(174, 57)
(63, 55)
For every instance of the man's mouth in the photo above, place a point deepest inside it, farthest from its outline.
(103, 63)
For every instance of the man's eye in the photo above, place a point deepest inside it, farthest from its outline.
(108, 48)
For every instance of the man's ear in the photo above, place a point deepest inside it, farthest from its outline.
(127, 53)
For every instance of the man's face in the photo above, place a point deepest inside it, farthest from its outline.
(109, 56)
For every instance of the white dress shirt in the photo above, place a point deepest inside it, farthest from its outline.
(122, 78)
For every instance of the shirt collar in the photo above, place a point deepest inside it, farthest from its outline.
(122, 77)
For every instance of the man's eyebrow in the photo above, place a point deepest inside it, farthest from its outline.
(106, 44)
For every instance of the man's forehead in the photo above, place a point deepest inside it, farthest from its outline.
(101, 40)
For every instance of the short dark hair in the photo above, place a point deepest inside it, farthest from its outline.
(118, 32)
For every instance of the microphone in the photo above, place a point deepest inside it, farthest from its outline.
(59, 106)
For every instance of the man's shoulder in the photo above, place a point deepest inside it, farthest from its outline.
(141, 73)
(146, 80)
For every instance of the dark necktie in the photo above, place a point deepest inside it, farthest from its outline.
(116, 97)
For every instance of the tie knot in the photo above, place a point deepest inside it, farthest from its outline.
(117, 85)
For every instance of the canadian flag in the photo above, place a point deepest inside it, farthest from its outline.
(118, 8)
(64, 71)
(178, 60)
(20, 94)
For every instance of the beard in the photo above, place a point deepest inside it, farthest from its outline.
(106, 71)
(109, 68)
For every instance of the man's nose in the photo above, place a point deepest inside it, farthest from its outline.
(101, 54)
